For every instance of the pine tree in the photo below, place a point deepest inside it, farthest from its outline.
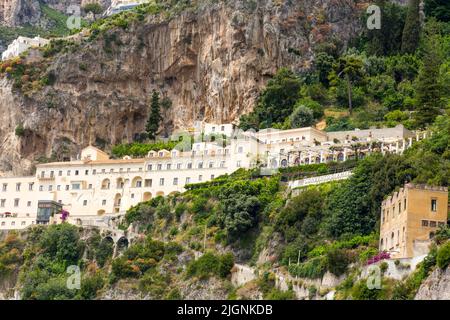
(411, 31)
(155, 116)
(351, 69)
(428, 88)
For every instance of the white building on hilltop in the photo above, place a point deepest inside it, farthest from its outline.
(118, 6)
(21, 44)
(96, 186)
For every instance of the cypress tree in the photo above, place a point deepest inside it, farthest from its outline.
(155, 116)
(411, 31)
(428, 88)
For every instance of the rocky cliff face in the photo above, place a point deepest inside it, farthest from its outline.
(18, 12)
(15, 13)
(436, 286)
(211, 63)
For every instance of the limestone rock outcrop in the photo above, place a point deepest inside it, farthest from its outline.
(436, 286)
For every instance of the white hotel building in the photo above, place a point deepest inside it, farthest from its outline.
(21, 44)
(95, 186)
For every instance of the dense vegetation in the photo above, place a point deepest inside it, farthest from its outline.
(388, 77)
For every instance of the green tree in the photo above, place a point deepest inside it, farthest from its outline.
(155, 116)
(440, 9)
(276, 102)
(301, 117)
(62, 243)
(93, 7)
(324, 65)
(428, 88)
(411, 31)
(387, 39)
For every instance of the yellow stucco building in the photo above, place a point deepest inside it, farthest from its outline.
(410, 218)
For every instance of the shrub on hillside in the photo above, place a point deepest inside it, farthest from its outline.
(337, 261)
(210, 264)
(313, 268)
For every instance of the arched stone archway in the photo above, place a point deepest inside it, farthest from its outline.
(106, 183)
(100, 212)
(136, 182)
(160, 194)
(147, 196)
(120, 183)
(122, 244)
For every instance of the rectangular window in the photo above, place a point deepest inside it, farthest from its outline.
(103, 202)
(211, 164)
(212, 177)
(200, 165)
(29, 204)
(200, 178)
(58, 187)
(168, 166)
(175, 181)
(50, 188)
(159, 166)
(60, 173)
(18, 186)
(68, 172)
(90, 186)
(188, 180)
(138, 184)
(84, 202)
(434, 205)
(2, 203)
(94, 171)
(30, 186)
(148, 183)
(424, 223)
(189, 165)
(238, 164)
(161, 181)
(149, 167)
(86, 172)
(433, 224)
(441, 224)
(178, 166)
(16, 202)
(67, 187)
